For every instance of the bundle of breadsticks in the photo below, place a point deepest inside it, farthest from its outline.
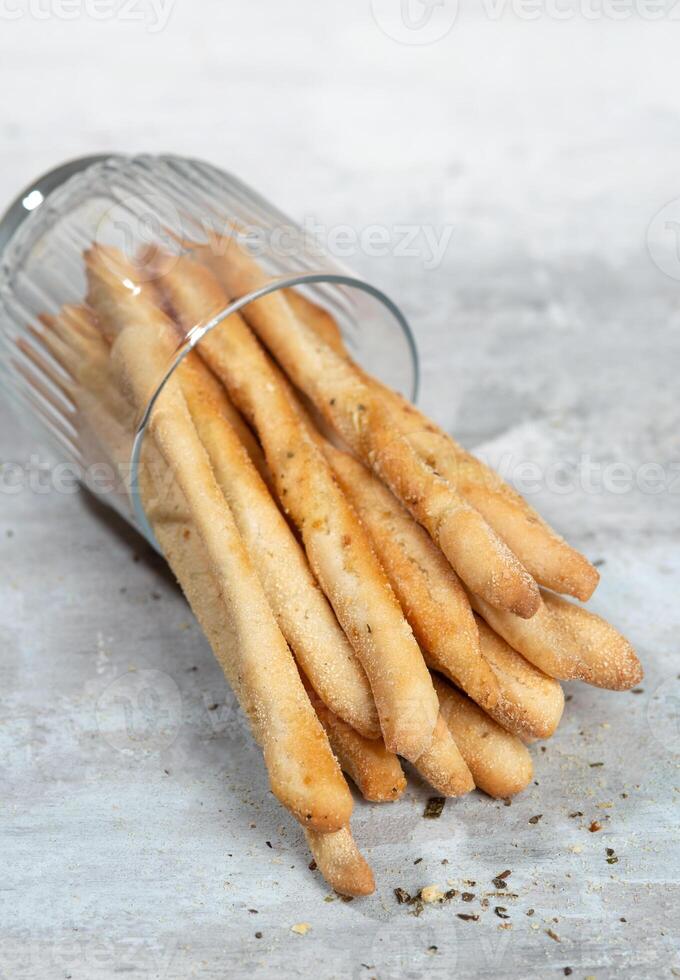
(371, 590)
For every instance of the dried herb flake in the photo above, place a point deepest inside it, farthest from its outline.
(434, 807)
(499, 881)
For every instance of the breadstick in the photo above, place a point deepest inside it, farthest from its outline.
(543, 552)
(318, 318)
(336, 854)
(548, 647)
(304, 616)
(155, 261)
(428, 589)
(169, 516)
(296, 782)
(531, 703)
(336, 544)
(340, 862)
(104, 417)
(367, 424)
(376, 772)
(499, 762)
(194, 367)
(303, 772)
(568, 642)
(514, 692)
(443, 765)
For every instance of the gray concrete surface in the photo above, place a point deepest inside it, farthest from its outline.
(137, 835)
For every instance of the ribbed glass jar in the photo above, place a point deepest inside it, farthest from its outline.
(143, 213)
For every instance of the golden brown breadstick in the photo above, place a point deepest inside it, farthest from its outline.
(551, 561)
(568, 642)
(153, 260)
(104, 418)
(499, 762)
(543, 552)
(317, 317)
(443, 764)
(278, 712)
(337, 856)
(530, 703)
(301, 609)
(428, 589)
(336, 853)
(303, 614)
(366, 422)
(336, 544)
(340, 862)
(303, 772)
(171, 520)
(376, 772)
(520, 697)
(194, 366)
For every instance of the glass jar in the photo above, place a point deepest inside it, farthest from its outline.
(148, 211)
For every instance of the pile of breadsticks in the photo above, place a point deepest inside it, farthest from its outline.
(369, 588)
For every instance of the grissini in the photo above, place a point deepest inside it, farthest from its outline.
(340, 862)
(337, 856)
(318, 318)
(303, 773)
(545, 554)
(518, 695)
(302, 611)
(335, 852)
(194, 366)
(155, 262)
(443, 765)
(375, 771)
(530, 702)
(500, 764)
(433, 600)
(335, 542)
(104, 418)
(568, 642)
(527, 701)
(277, 710)
(367, 424)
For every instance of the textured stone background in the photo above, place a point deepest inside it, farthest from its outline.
(549, 332)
